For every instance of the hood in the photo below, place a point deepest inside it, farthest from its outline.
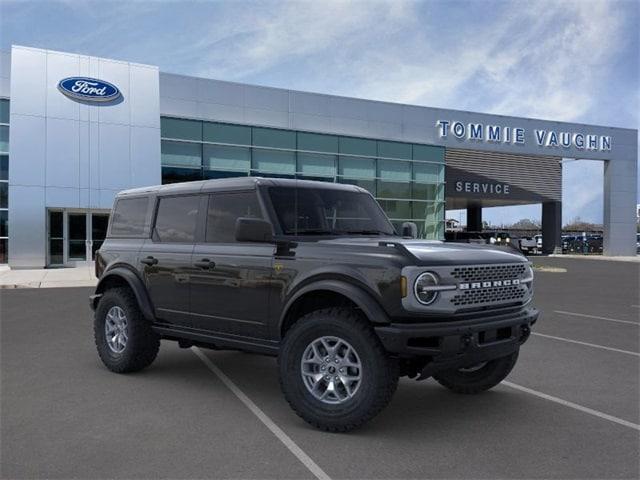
(435, 252)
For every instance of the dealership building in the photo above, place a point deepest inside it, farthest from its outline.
(75, 130)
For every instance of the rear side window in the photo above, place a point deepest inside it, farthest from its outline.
(176, 219)
(129, 216)
(224, 210)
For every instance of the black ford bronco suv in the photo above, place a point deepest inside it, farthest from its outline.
(315, 274)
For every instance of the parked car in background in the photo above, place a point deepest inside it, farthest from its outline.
(528, 245)
(485, 237)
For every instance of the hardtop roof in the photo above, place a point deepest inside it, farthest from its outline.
(236, 183)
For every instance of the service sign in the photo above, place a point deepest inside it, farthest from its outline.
(88, 89)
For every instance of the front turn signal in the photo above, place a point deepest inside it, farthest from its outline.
(403, 286)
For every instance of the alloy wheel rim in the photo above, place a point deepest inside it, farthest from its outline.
(115, 329)
(331, 370)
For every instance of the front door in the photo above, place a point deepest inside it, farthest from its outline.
(165, 259)
(230, 288)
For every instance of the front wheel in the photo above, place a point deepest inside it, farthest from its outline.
(478, 378)
(333, 370)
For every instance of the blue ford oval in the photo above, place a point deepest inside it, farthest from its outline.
(89, 89)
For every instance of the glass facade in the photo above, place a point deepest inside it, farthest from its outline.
(407, 179)
(4, 181)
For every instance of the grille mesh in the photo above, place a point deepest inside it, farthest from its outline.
(489, 272)
(489, 295)
(485, 296)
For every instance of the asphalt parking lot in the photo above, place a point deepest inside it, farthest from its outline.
(570, 409)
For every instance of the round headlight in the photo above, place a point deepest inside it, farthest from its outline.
(423, 288)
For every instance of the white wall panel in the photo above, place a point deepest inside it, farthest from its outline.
(271, 118)
(144, 97)
(59, 66)
(118, 74)
(179, 87)
(27, 142)
(310, 103)
(266, 98)
(27, 241)
(106, 198)
(223, 113)
(62, 167)
(62, 197)
(115, 160)
(84, 164)
(145, 155)
(223, 93)
(28, 81)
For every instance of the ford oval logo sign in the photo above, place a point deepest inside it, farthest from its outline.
(88, 89)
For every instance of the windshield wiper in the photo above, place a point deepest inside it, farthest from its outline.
(312, 231)
(365, 232)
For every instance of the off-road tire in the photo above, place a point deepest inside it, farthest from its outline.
(379, 371)
(490, 375)
(142, 344)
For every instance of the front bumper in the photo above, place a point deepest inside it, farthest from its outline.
(449, 345)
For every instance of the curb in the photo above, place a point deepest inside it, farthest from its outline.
(80, 283)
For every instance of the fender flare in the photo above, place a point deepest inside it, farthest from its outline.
(363, 300)
(136, 285)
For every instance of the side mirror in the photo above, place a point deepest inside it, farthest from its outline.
(409, 229)
(253, 230)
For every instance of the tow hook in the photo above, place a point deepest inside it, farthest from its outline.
(466, 340)
(526, 331)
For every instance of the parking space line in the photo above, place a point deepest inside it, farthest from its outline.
(270, 424)
(594, 345)
(596, 317)
(575, 406)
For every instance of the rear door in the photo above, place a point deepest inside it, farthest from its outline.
(230, 289)
(166, 257)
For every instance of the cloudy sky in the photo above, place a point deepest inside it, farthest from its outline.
(561, 60)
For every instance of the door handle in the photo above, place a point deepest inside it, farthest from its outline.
(205, 263)
(149, 261)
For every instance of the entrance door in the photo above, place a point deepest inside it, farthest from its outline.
(74, 236)
(77, 236)
(56, 238)
(99, 223)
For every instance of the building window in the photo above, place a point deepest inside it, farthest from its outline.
(221, 157)
(223, 133)
(181, 129)
(4, 181)
(181, 154)
(4, 139)
(274, 161)
(274, 138)
(316, 165)
(407, 179)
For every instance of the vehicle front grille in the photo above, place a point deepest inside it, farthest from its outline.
(486, 296)
(484, 284)
(481, 273)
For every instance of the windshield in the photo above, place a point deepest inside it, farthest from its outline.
(318, 211)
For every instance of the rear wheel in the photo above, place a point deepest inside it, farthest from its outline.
(333, 370)
(477, 378)
(123, 337)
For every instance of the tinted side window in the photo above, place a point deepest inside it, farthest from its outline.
(225, 209)
(176, 219)
(129, 216)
